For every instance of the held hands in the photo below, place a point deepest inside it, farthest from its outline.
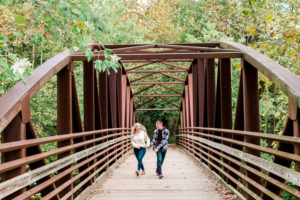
(155, 150)
(148, 146)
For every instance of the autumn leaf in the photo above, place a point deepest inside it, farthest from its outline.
(46, 36)
(252, 30)
(263, 79)
(268, 19)
(80, 25)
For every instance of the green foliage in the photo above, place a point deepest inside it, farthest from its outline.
(38, 30)
(111, 61)
(34, 31)
(288, 196)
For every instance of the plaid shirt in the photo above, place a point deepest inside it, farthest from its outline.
(164, 141)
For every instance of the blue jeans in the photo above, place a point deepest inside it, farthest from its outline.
(160, 159)
(139, 154)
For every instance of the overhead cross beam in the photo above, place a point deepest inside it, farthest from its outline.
(116, 46)
(144, 89)
(146, 102)
(155, 60)
(156, 109)
(208, 49)
(142, 77)
(166, 100)
(170, 89)
(180, 67)
(159, 83)
(157, 95)
(150, 56)
(122, 48)
(139, 66)
(158, 71)
(178, 79)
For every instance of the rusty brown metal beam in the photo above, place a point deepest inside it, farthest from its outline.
(159, 83)
(134, 48)
(142, 77)
(114, 46)
(144, 89)
(64, 116)
(156, 109)
(279, 75)
(146, 102)
(158, 71)
(15, 131)
(170, 89)
(178, 79)
(172, 65)
(158, 95)
(194, 48)
(155, 60)
(164, 51)
(166, 100)
(139, 66)
(11, 102)
(121, 48)
(97, 56)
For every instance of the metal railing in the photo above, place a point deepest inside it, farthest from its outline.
(227, 157)
(81, 167)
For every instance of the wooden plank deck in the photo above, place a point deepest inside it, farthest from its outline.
(183, 179)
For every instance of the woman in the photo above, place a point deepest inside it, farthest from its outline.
(138, 138)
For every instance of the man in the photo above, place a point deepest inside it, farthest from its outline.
(160, 145)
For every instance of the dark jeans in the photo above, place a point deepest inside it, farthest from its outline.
(160, 159)
(139, 154)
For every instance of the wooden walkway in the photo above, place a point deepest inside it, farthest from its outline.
(183, 179)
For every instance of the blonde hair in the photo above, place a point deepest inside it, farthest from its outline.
(142, 129)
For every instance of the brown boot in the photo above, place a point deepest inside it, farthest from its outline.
(137, 173)
(143, 172)
(160, 176)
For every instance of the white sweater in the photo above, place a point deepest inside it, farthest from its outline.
(139, 140)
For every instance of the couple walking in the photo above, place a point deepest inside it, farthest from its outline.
(140, 141)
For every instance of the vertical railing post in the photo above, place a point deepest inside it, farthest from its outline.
(131, 111)
(191, 107)
(64, 117)
(123, 104)
(200, 94)
(104, 101)
(294, 115)
(210, 96)
(183, 111)
(103, 94)
(238, 125)
(89, 102)
(113, 98)
(226, 100)
(296, 124)
(187, 111)
(127, 107)
(251, 113)
(112, 83)
(15, 131)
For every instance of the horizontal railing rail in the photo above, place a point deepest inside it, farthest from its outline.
(226, 156)
(110, 145)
